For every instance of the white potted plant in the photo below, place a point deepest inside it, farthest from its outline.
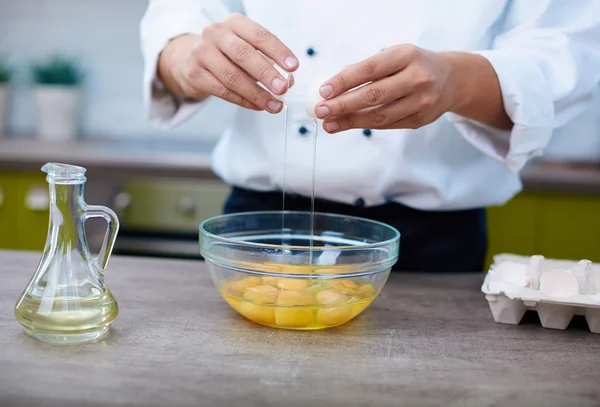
(58, 98)
(5, 76)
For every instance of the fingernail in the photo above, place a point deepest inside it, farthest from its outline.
(290, 62)
(331, 126)
(279, 84)
(322, 111)
(274, 106)
(326, 91)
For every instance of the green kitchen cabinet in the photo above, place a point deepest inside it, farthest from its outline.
(8, 210)
(570, 227)
(23, 211)
(555, 225)
(512, 227)
(168, 205)
(32, 211)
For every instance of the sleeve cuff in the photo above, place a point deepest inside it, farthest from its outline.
(163, 109)
(529, 104)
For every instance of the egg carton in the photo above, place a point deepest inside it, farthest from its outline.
(556, 289)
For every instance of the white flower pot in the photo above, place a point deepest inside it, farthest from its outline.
(4, 103)
(58, 109)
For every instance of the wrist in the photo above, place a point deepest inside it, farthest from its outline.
(169, 62)
(458, 86)
(476, 90)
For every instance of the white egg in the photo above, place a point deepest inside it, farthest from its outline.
(313, 96)
(286, 75)
(558, 284)
(511, 273)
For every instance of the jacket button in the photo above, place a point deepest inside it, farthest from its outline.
(302, 130)
(367, 132)
(310, 51)
(359, 203)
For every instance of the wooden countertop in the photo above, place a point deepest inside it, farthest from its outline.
(428, 340)
(191, 159)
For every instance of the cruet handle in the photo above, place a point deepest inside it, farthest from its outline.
(96, 211)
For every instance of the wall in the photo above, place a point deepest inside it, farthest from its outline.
(105, 35)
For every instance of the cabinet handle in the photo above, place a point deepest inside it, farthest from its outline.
(37, 199)
(187, 206)
(1, 197)
(122, 201)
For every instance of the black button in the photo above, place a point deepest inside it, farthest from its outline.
(367, 132)
(302, 130)
(310, 51)
(360, 203)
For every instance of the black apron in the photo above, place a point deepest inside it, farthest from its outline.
(430, 241)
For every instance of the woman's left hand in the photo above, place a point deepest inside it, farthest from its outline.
(405, 87)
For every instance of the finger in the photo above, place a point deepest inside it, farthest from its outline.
(373, 118)
(212, 86)
(246, 57)
(374, 94)
(273, 63)
(383, 64)
(263, 40)
(237, 81)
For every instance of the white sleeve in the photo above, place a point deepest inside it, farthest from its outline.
(163, 21)
(547, 59)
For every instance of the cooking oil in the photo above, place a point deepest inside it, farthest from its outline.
(66, 300)
(67, 319)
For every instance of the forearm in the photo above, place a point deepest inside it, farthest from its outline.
(477, 93)
(173, 52)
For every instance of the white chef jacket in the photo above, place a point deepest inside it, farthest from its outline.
(546, 54)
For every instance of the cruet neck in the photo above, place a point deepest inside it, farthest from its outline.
(64, 174)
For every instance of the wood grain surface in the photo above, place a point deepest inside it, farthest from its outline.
(428, 340)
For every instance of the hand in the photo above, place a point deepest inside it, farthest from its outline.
(227, 60)
(402, 87)
(406, 87)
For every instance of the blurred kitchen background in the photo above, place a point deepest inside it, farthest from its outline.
(160, 183)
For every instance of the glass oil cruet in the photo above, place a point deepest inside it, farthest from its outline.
(66, 300)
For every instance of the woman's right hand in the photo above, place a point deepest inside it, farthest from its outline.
(225, 61)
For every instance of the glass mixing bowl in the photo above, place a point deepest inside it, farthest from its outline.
(269, 269)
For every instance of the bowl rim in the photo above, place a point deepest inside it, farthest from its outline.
(222, 239)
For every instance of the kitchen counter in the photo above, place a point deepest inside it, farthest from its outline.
(427, 340)
(162, 157)
(191, 159)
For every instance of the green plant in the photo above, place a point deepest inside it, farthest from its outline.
(57, 71)
(5, 72)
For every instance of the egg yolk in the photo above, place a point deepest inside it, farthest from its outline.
(334, 315)
(261, 294)
(290, 298)
(347, 287)
(262, 314)
(292, 284)
(243, 284)
(331, 297)
(270, 281)
(365, 291)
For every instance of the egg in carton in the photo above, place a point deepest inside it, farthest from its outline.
(556, 289)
